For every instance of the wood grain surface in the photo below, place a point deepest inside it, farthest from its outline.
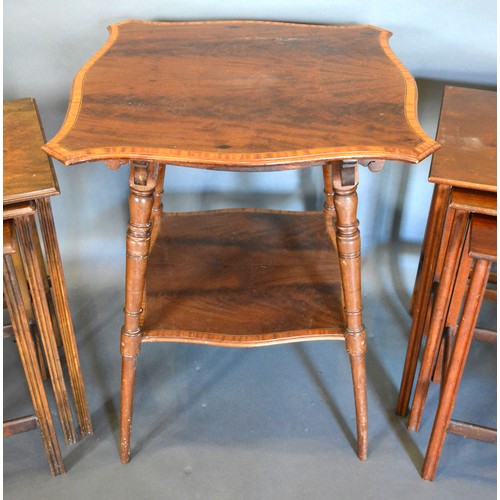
(468, 136)
(483, 241)
(27, 171)
(478, 202)
(242, 95)
(243, 278)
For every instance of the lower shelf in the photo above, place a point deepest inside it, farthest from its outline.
(243, 278)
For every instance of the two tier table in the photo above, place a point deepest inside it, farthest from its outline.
(242, 96)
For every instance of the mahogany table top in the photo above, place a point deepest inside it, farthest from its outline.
(242, 95)
(28, 173)
(468, 135)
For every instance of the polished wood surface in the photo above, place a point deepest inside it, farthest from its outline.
(242, 95)
(27, 171)
(17, 425)
(482, 250)
(468, 136)
(460, 208)
(18, 210)
(464, 173)
(478, 202)
(483, 241)
(35, 272)
(35, 278)
(27, 349)
(472, 431)
(345, 199)
(63, 313)
(243, 278)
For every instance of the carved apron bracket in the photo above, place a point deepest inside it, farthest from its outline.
(373, 165)
(115, 164)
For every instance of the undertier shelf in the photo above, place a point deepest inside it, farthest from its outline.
(244, 278)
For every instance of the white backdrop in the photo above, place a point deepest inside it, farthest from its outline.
(45, 43)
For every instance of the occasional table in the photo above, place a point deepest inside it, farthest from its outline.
(242, 96)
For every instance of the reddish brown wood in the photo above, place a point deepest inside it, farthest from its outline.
(457, 362)
(273, 94)
(28, 172)
(243, 278)
(157, 210)
(422, 293)
(483, 238)
(345, 181)
(473, 201)
(439, 311)
(452, 317)
(18, 209)
(29, 178)
(34, 276)
(65, 322)
(329, 206)
(466, 162)
(12, 211)
(17, 425)
(29, 359)
(468, 136)
(142, 182)
(472, 431)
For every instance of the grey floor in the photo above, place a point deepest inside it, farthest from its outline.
(266, 423)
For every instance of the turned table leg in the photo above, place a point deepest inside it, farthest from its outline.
(156, 213)
(142, 182)
(345, 181)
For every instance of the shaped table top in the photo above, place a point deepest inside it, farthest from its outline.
(243, 95)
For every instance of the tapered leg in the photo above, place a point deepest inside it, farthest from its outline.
(439, 312)
(58, 283)
(143, 178)
(465, 332)
(422, 293)
(345, 181)
(25, 295)
(44, 321)
(27, 352)
(450, 327)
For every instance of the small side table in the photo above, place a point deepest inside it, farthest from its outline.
(467, 163)
(29, 182)
(243, 96)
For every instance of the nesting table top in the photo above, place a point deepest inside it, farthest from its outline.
(28, 173)
(468, 135)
